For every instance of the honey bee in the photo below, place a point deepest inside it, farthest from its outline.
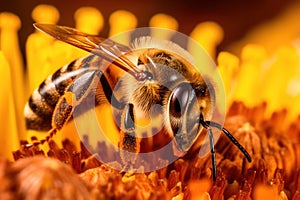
(150, 80)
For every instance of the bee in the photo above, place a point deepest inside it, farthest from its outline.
(151, 80)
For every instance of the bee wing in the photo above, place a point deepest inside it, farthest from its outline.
(106, 48)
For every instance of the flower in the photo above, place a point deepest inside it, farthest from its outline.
(272, 171)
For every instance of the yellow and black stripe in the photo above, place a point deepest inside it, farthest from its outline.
(43, 102)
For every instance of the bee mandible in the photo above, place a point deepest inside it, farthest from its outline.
(160, 82)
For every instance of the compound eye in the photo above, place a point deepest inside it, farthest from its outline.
(179, 99)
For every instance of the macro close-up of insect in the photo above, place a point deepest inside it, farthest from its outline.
(156, 95)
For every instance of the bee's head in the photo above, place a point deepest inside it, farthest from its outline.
(186, 96)
(188, 104)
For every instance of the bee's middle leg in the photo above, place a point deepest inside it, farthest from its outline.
(129, 144)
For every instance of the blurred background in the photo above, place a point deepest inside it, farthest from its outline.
(234, 16)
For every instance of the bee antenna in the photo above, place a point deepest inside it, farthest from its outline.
(207, 124)
(212, 147)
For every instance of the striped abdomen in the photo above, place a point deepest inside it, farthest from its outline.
(42, 103)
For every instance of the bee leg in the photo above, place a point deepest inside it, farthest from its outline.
(129, 144)
(61, 116)
(109, 94)
(75, 94)
(213, 153)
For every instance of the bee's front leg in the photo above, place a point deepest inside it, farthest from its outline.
(129, 144)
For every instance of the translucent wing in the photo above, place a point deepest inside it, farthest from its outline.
(106, 48)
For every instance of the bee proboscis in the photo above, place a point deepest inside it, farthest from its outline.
(156, 78)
